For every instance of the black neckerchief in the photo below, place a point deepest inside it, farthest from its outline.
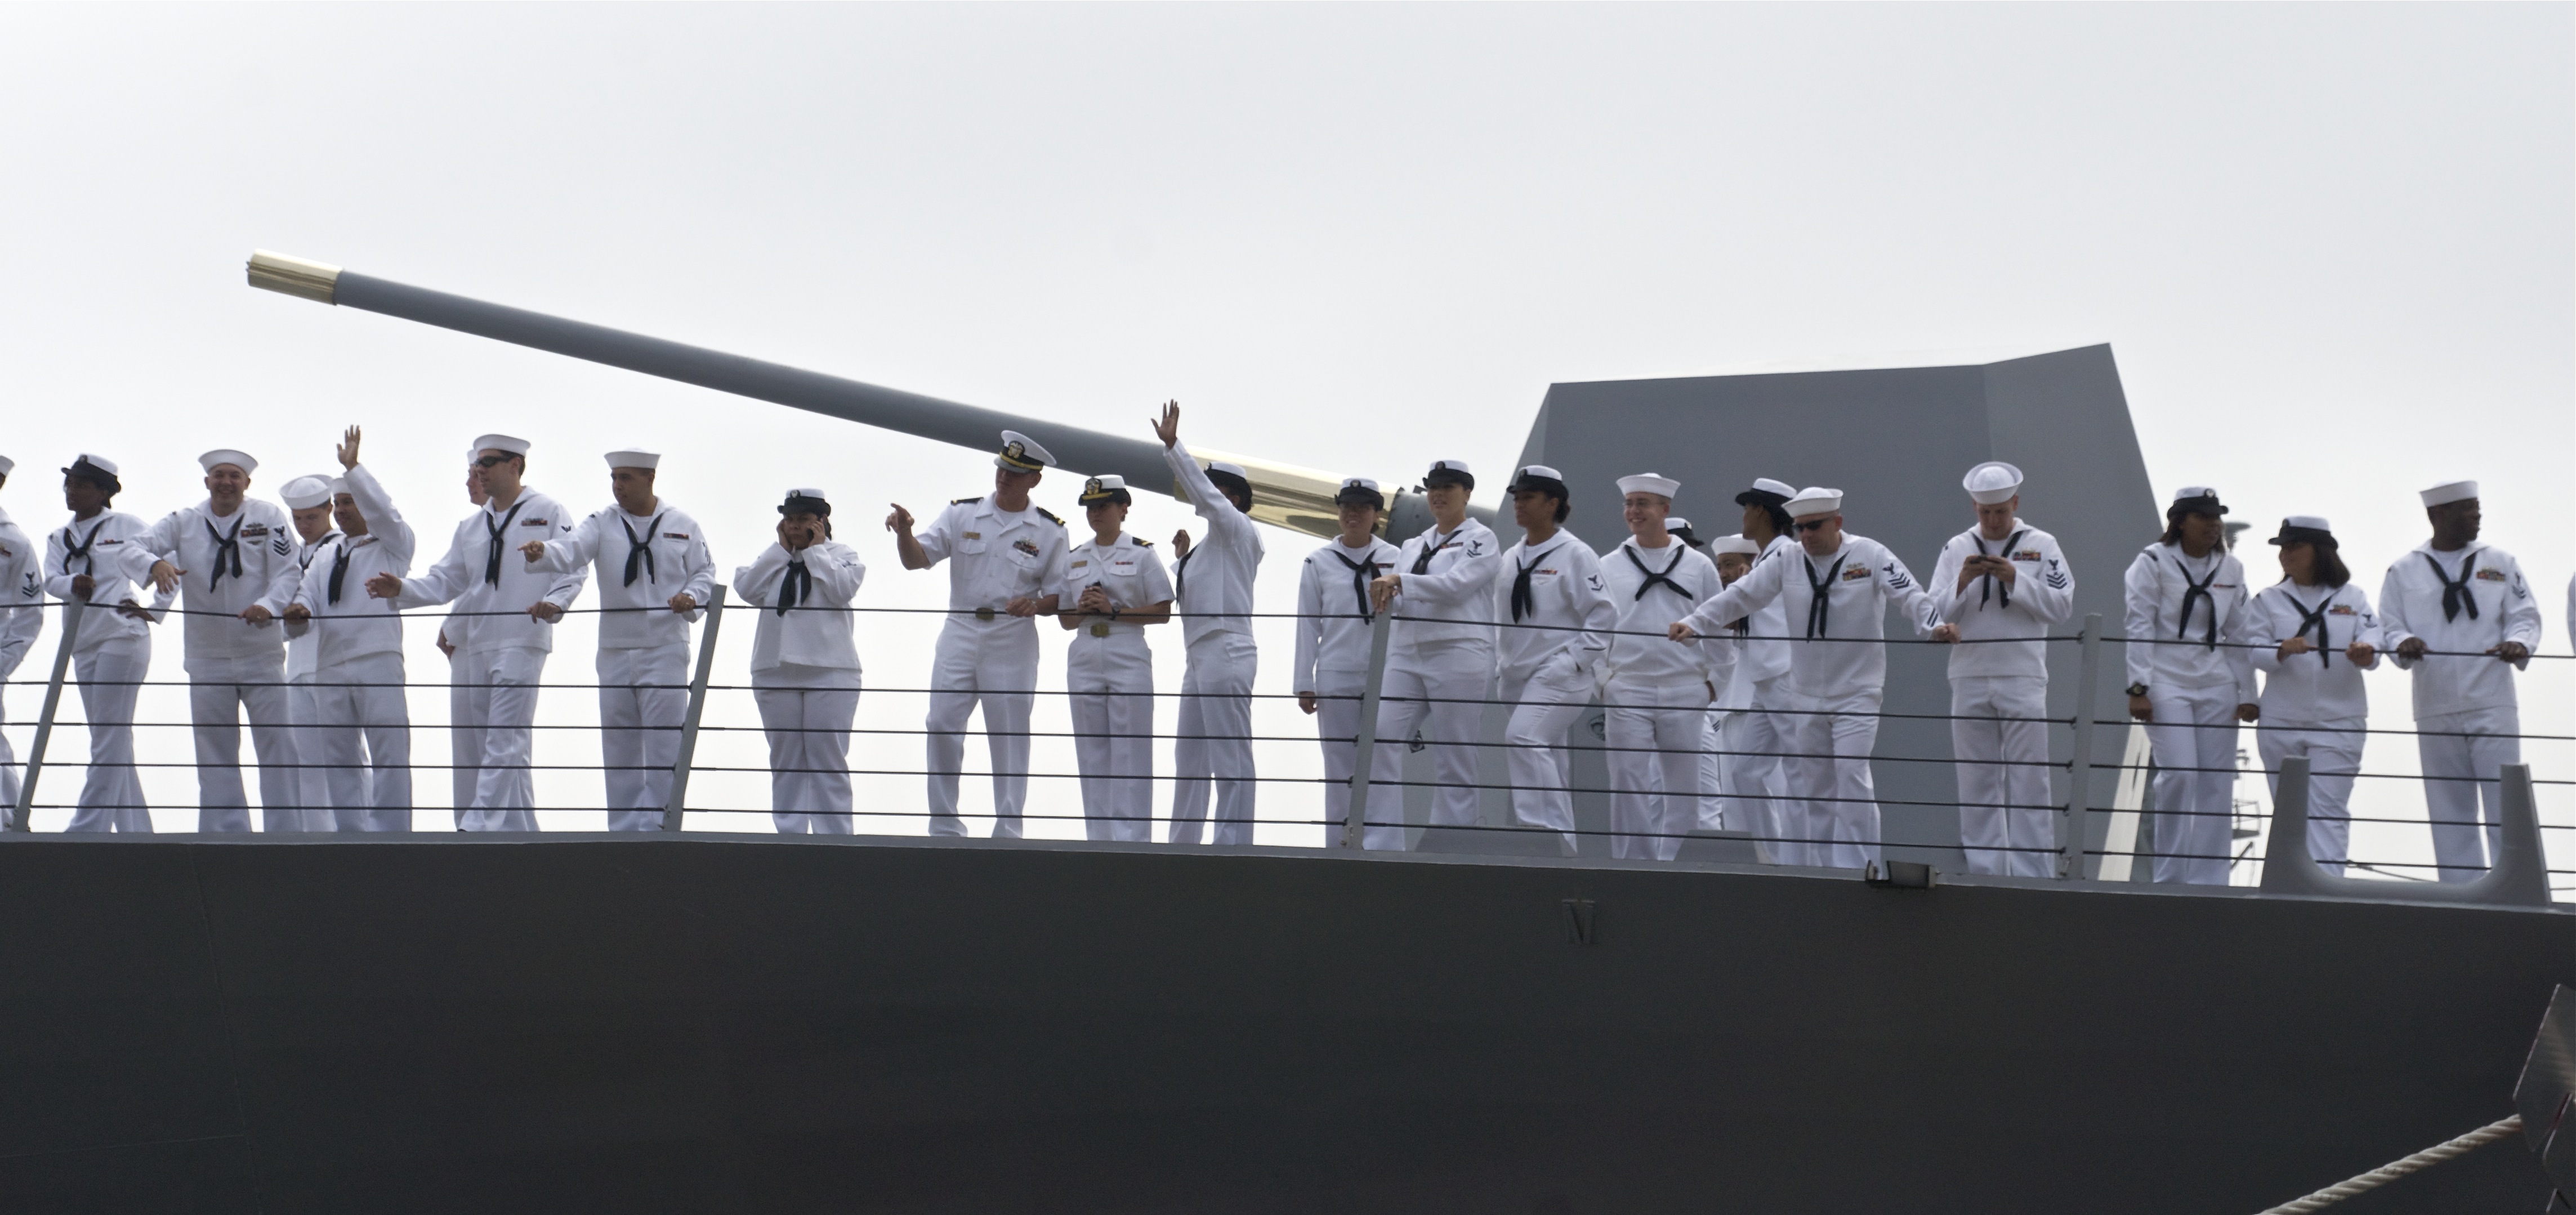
(1820, 607)
(2455, 595)
(2196, 591)
(80, 551)
(1422, 563)
(2318, 619)
(492, 568)
(1523, 603)
(1991, 584)
(1361, 573)
(339, 570)
(797, 577)
(1181, 571)
(225, 546)
(640, 550)
(314, 549)
(1666, 577)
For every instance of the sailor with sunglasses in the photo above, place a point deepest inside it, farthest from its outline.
(1334, 618)
(1839, 588)
(1440, 659)
(1658, 695)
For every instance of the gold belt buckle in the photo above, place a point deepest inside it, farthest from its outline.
(983, 613)
(1099, 628)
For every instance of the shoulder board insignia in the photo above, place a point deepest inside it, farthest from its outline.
(965, 501)
(1142, 542)
(1049, 516)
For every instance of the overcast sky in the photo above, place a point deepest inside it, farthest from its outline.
(2329, 246)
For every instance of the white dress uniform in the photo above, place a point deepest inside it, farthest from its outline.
(1836, 683)
(113, 654)
(1560, 615)
(2186, 619)
(1999, 683)
(504, 654)
(1109, 682)
(639, 563)
(1658, 694)
(1756, 734)
(312, 781)
(1439, 667)
(464, 728)
(363, 741)
(1212, 591)
(1333, 622)
(805, 677)
(2314, 704)
(1729, 716)
(22, 616)
(235, 667)
(2462, 603)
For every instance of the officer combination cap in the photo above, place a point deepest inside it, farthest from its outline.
(1814, 500)
(226, 455)
(1767, 492)
(805, 502)
(1992, 482)
(2444, 495)
(305, 493)
(1359, 491)
(1649, 483)
(1449, 472)
(2196, 500)
(1737, 543)
(1540, 479)
(2306, 529)
(635, 458)
(98, 469)
(6, 465)
(512, 445)
(1106, 488)
(1021, 453)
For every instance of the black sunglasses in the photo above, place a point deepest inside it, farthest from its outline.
(1811, 524)
(489, 461)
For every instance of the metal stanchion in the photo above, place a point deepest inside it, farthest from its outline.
(1355, 824)
(19, 820)
(672, 810)
(2079, 774)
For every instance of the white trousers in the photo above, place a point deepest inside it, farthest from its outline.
(1213, 738)
(999, 670)
(464, 736)
(1833, 820)
(1544, 706)
(1757, 787)
(1655, 731)
(219, 693)
(1712, 769)
(312, 780)
(2333, 751)
(1337, 723)
(2461, 753)
(1441, 690)
(111, 675)
(643, 696)
(501, 700)
(809, 756)
(1111, 682)
(8, 772)
(363, 742)
(2194, 728)
(2000, 742)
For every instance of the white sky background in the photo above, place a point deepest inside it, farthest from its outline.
(2330, 246)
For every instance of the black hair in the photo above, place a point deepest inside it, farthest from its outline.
(2173, 526)
(1236, 489)
(1780, 520)
(2329, 567)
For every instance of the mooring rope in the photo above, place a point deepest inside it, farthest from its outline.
(2390, 1172)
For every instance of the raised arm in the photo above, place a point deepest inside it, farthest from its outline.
(572, 551)
(385, 523)
(1751, 593)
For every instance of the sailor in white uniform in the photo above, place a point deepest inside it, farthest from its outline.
(2191, 680)
(464, 734)
(1658, 694)
(2457, 613)
(2313, 702)
(363, 744)
(1334, 617)
(1757, 781)
(100, 557)
(513, 609)
(1552, 591)
(232, 559)
(308, 505)
(22, 616)
(1115, 586)
(1007, 559)
(653, 572)
(1999, 586)
(1839, 588)
(1725, 773)
(1212, 588)
(1440, 657)
(805, 664)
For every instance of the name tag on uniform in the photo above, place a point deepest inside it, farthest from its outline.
(1085, 563)
(971, 535)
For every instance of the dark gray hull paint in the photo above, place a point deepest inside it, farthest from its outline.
(755, 1024)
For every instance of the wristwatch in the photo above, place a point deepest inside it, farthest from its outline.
(2137, 689)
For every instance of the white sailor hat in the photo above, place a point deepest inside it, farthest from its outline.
(98, 470)
(514, 446)
(1814, 500)
(805, 502)
(305, 493)
(2196, 499)
(634, 457)
(1767, 492)
(226, 455)
(6, 465)
(1539, 478)
(1992, 482)
(1108, 487)
(1449, 472)
(1021, 453)
(2456, 491)
(2305, 529)
(1359, 491)
(1649, 483)
(1675, 525)
(1736, 543)
(1229, 476)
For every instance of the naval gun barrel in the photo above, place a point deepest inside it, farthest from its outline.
(1282, 494)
